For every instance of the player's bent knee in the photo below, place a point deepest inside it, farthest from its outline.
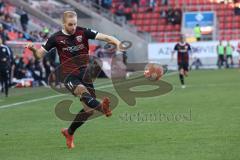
(80, 89)
(181, 71)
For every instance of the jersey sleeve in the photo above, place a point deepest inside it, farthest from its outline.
(189, 47)
(51, 43)
(176, 47)
(90, 34)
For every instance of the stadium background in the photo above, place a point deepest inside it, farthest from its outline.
(30, 130)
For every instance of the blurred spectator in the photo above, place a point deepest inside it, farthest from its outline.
(26, 36)
(177, 16)
(174, 16)
(170, 15)
(106, 4)
(10, 22)
(20, 68)
(163, 14)
(197, 32)
(2, 5)
(3, 34)
(152, 4)
(46, 30)
(143, 3)
(135, 2)
(164, 2)
(24, 19)
(127, 3)
(120, 10)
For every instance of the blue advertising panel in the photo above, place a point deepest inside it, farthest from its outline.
(204, 19)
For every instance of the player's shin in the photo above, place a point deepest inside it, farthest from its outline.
(79, 120)
(181, 77)
(91, 102)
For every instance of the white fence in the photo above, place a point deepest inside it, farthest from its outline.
(205, 51)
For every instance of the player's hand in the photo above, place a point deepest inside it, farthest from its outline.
(30, 46)
(124, 46)
(121, 48)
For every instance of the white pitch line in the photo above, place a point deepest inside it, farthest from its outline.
(29, 101)
(50, 97)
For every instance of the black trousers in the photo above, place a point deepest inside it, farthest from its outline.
(4, 78)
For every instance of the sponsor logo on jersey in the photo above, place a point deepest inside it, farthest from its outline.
(73, 48)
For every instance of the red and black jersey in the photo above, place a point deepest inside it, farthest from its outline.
(72, 49)
(183, 50)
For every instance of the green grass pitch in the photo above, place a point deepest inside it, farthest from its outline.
(201, 122)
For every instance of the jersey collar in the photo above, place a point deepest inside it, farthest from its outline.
(64, 32)
(182, 44)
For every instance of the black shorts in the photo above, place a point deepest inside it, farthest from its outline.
(229, 56)
(84, 78)
(183, 66)
(221, 58)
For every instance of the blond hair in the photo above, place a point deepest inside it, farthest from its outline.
(68, 14)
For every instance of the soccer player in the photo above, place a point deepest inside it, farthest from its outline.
(229, 51)
(72, 46)
(221, 54)
(183, 49)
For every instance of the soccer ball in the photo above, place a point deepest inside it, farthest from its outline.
(153, 72)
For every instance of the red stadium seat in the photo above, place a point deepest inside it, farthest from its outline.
(228, 23)
(134, 16)
(140, 15)
(222, 25)
(154, 28)
(161, 28)
(155, 15)
(154, 21)
(147, 22)
(229, 19)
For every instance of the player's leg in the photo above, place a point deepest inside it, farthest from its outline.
(6, 86)
(185, 69)
(218, 61)
(6, 82)
(239, 62)
(181, 73)
(89, 99)
(73, 84)
(2, 80)
(89, 102)
(227, 61)
(231, 58)
(222, 60)
(2, 84)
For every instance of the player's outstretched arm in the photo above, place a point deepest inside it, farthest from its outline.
(110, 40)
(38, 53)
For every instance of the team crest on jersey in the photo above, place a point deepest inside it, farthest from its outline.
(4, 49)
(63, 42)
(79, 38)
